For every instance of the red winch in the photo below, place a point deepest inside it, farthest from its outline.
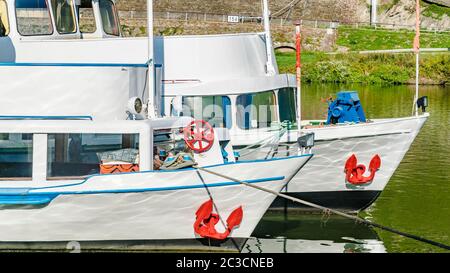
(199, 136)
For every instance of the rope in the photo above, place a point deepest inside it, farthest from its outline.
(271, 140)
(328, 210)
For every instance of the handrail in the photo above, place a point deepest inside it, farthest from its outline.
(46, 118)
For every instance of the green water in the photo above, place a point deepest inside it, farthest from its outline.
(416, 200)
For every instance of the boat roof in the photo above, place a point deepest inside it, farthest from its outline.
(51, 126)
(236, 86)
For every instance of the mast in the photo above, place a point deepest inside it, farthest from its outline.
(417, 51)
(270, 67)
(374, 13)
(151, 107)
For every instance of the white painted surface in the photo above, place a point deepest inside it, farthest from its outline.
(158, 215)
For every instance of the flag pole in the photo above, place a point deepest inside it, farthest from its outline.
(298, 43)
(417, 51)
(151, 107)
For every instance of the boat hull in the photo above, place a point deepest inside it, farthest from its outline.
(149, 206)
(323, 180)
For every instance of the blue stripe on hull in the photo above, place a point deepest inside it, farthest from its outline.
(72, 65)
(27, 197)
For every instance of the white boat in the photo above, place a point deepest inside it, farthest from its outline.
(236, 90)
(54, 197)
(323, 181)
(213, 74)
(79, 151)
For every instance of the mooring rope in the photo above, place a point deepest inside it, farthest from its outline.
(309, 204)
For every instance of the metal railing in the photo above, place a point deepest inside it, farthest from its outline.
(248, 18)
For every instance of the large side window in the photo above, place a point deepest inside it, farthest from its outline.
(4, 22)
(214, 109)
(33, 18)
(79, 155)
(109, 17)
(64, 14)
(256, 110)
(286, 102)
(16, 157)
(86, 17)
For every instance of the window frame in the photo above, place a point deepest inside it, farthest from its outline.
(116, 17)
(227, 118)
(8, 27)
(84, 148)
(75, 22)
(275, 114)
(35, 35)
(92, 7)
(280, 95)
(30, 154)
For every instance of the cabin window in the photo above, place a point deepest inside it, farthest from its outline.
(256, 110)
(16, 157)
(64, 15)
(4, 22)
(287, 104)
(109, 17)
(80, 155)
(33, 18)
(214, 109)
(86, 17)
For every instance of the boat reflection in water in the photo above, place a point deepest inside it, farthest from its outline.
(311, 233)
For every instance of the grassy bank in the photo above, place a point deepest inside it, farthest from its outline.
(368, 69)
(378, 39)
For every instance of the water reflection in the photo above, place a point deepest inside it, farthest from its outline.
(308, 233)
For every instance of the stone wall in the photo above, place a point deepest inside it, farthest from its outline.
(342, 10)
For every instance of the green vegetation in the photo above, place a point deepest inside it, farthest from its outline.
(435, 11)
(357, 39)
(368, 69)
(387, 5)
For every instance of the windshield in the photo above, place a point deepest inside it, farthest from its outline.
(286, 102)
(86, 17)
(33, 18)
(4, 24)
(214, 109)
(64, 15)
(257, 110)
(109, 17)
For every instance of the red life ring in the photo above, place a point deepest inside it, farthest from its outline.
(199, 136)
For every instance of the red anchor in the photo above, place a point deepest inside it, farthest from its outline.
(355, 172)
(206, 221)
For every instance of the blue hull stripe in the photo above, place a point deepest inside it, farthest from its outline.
(77, 65)
(173, 171)
(2, 191)
(71, 65)
(27, 197)
(46, 118)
